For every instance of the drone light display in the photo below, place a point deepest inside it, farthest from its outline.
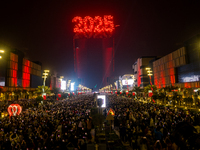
(96, 27)
(14, 109)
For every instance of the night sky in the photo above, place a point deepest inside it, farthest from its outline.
(44, 30)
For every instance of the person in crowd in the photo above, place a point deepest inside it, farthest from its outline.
(68, 123)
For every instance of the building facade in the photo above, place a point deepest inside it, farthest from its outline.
(18, 72)
(180, 68)
(140, 72)
(126, 82)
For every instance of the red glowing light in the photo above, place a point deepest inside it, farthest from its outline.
(14, 109)
(96, 27)
(111, 111)
(98, 24)
(44, 97)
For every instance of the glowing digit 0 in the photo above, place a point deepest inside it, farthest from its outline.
(98, 24)
(88, 24)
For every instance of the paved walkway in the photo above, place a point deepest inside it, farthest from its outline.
(127, 145)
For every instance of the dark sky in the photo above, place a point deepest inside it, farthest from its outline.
(44, 29)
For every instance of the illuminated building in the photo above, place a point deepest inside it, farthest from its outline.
(180, 68)
(139, 71)
(93, 33)
(18, 72)
(53, 80)
(126, 82)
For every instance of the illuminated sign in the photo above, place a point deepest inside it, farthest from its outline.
(111, 111)
(72, 86)
(63, 85)
(127, 82)
(14, 109)
(191, 79)
(104, 100)
(96, 27)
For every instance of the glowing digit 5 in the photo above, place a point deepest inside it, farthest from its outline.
(108, 22)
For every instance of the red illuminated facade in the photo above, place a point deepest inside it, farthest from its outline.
(17, 72)
(12, 70)
(165, 68)
(140, 72)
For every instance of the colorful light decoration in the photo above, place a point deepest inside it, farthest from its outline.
(111, 111)
(14, 109)
(97, 27)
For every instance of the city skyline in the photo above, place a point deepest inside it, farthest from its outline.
(45, 30)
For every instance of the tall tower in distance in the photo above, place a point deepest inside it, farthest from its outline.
(93, 46)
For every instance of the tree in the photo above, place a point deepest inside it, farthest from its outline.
(39, 99)
(137, 90)
(162, 96)
(148, 87)
(39, 90)
(188, 92)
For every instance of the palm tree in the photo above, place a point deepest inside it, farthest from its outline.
(40, 89)
(188, 95)
(137, 90)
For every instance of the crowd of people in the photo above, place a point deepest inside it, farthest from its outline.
(67, 124)
(64, 124)
(149, 126)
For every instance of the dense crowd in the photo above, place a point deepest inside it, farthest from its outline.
(61, 125)
(148, 126)
(67, 124)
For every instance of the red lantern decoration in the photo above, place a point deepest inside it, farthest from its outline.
(59, 95)
(150, 94)
(133, 93)
(126, 93)
(120, 92)
(69, 94)
(44, 97)
(115, 92)
(14, 109)
(73, 93)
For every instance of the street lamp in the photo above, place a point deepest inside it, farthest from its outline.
(45, 74)
(1, 51)
(149, 73)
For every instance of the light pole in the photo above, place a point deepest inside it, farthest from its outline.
(149, 73)
(45, 74)
(1, 51)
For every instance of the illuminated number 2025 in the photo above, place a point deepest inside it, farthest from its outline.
(88, 27)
